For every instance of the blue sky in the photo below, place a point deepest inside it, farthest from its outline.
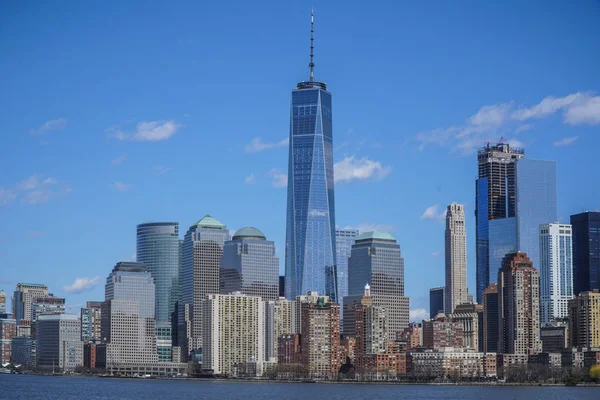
(115, 113)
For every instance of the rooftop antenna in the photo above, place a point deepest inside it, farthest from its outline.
(312, 44)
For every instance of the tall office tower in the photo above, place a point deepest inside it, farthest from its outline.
(376, 260)
(456, 257)
(370, 327)
(584, 320)
(468, 316)
(344, 239)
(91, 318)
(536, 203)
(8, 330)
(128, 324)
(45, 305)
(495, 199)
(280, 319)
(586, 251)
(2, 302)
(158, 248)
(58, 343)
(437, 301)
(310, 231)
(281, 286)
(518, 306)
(249, 265)
(23, 298)
(200, 263)
(490, 319)
(233, 331)
(556, 271)
(320, 338)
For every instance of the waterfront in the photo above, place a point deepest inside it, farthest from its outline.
(92, 388)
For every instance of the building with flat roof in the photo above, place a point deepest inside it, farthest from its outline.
(58, 342)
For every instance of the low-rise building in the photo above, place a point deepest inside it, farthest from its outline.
(453, 363)
(442, 332)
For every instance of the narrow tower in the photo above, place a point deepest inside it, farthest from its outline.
(456, 257)
(310, 232)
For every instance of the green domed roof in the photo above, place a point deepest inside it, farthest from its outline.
(209, 222)
(249, 232)
(376, 236)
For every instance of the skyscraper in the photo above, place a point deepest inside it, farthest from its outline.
(495, 199)
(536, 203)
(201, 256)
(8, 330)
(280, 319)
(556, 271)
(23, 299)
(158, 248)
(490, 319)
(234, 331)
(344, 239)
(456, 257)
(249, 265)
(2, 302)
(584, 320)
(91, 318)
(519, 306)
(586, 251)
(310, 231)
(128, 324)
(376, 260)
(437, 300)
(58, 342)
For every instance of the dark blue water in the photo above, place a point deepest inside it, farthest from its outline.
(59, 388)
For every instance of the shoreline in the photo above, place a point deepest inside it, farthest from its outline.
(329, 382)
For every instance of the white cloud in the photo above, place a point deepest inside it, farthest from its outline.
(492, 121)
(48, 126)
(35, 190)
(586, 111)
(120, 186)
(431, 212)
(119, 160)
(257, 145)
(250, 179)
(566, 141)
(82, 285)
(350, 169)
(436, 253)
(418, 314)
(148, 131)
(280, 179)
(372, 227)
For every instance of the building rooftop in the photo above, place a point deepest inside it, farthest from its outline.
(130, 266)
(376, 236)
(209, 222)
(249, 232)
(56, 317)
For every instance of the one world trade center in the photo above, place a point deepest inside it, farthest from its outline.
(310, 231)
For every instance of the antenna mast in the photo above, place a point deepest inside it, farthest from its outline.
(312, 44)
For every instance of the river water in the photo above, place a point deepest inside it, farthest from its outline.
(90, 388)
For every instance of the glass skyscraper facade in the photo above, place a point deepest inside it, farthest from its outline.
(495, 199)
(536, 203)
(437, 301)
(502, 235)
(249, 265)
(586, 251)
(158, 249)
(344, 239)
(310, 233)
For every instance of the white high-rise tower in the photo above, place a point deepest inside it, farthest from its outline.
(556, 271)
(456, 257)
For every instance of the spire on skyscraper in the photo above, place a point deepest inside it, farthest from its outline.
(312, 44)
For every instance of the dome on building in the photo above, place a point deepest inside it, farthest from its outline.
(249, 232)
(376, 236)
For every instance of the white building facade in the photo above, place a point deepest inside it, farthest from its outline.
(556, 271)
(456, 257)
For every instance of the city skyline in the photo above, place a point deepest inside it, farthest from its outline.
(42, 201)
